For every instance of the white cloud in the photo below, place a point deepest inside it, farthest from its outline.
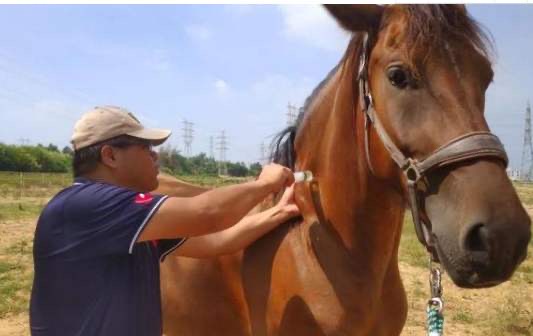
(311, 24)
(198, 32)
(221, 86)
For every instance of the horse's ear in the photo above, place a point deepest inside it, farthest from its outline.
(462, 8)
(357, 17)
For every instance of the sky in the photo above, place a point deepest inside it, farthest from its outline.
(231, 68)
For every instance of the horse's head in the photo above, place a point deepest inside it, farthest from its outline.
(428, 71)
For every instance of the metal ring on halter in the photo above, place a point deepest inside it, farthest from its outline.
(411, 171)
(436, 302)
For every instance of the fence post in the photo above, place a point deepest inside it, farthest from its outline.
(21, 179)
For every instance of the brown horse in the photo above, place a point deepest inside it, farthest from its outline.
(169, 185)
(399, 120)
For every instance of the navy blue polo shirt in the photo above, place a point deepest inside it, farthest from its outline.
(91, 277)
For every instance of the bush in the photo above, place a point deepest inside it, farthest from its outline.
(173, 162)
(33, 159)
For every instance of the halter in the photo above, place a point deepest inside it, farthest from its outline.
(471, 145)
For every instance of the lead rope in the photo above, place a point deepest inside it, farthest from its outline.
(435, 317)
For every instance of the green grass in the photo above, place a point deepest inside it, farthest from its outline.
(512, 318)
(419, 290)
(45, 184)
(15, 285)
(20, 210)
(411, 251)
(525, 192)
(20, 248)
(14, 294)
(16, 273)
(463, 316)
(45, 180)
(212, 181)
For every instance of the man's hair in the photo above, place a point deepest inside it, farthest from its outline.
(86, 159)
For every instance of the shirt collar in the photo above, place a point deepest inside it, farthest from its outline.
(81, 180)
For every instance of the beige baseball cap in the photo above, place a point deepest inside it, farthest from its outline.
(106, 122)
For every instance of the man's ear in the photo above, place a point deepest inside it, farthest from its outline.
(357, 18)
(107, 156)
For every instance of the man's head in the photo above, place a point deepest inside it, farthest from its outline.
(111, 144)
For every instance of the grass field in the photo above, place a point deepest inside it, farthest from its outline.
(504, 310)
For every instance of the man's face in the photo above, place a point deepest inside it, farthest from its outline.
(136, 166)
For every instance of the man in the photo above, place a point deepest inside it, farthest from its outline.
(98, 243)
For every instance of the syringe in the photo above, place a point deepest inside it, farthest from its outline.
(303, 176)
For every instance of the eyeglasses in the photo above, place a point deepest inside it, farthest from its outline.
(124, 143)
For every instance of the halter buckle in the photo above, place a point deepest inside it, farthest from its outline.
(411, 171)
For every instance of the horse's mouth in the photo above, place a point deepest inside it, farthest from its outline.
(472, 270)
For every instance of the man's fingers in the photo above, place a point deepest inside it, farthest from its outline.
(292, 210)
(290, 177)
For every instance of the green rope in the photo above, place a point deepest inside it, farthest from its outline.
(435, 321)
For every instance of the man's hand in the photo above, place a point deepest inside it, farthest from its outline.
(217, 209)
(286, 204)
(245, 232)
(276, 177)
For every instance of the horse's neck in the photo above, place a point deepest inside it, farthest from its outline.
(363, 211)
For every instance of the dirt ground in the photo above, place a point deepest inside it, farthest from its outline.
(15, 231)
(15, 325)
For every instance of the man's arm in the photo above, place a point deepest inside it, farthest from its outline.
(242, 234)
(214, 210)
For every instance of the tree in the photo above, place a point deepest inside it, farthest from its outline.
(33, 159)
(238, 169)
(255, 169)
(52, 148)
(170, 158)
(67, 150)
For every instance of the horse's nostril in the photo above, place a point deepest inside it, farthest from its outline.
(477, 239)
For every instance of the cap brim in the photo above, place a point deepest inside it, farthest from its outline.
(156, 136)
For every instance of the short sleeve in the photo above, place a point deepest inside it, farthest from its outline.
(167, 246)
(102, 219)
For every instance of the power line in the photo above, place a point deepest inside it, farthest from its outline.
(24, 141)
(526, 166)
(222, 146)
(291, 114)
(211, 148)
(187, 137)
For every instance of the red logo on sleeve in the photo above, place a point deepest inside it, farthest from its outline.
(143, 198)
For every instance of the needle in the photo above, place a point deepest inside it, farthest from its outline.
(303, 176)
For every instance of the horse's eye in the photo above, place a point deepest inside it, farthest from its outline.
(398, 77)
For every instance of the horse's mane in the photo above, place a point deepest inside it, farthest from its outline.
(429, 26)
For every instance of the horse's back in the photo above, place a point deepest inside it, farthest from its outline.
(171, 186)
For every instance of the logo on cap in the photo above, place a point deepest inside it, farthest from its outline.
(143, 198)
